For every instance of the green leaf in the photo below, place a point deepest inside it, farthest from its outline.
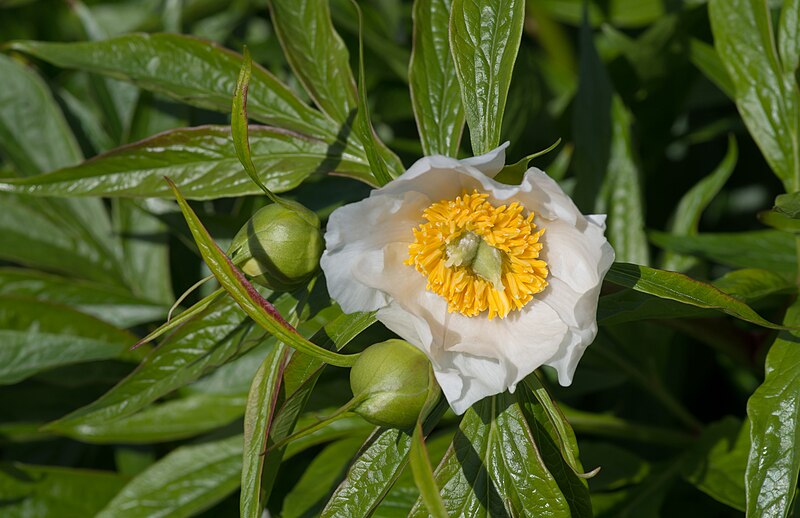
(606, 425)
(320, 478)
(108, 303)
(683, 289)
(185, 482)
(261, 403)
(748, 285)
(203, 343)
(37, 335)
(484, 41)
(318, 56)
(29, 116)
(705, 57)
(28, 490)
(766, 90)
(33, 234)
(620, 13)
(721, 458)
(375, 470)
(299, 379)
(432, 80)
(320, 60)
(419, 458)
(201, 159)
(788, 204)
(686, 217)
(591, 123)
(189, 69)
(785, 215)
(557, 446)
(145, 255)
(623, 192)
(254, 305)
(789, 36)
(172, 420)
(767, 249)
(774, 412)
(479, 474)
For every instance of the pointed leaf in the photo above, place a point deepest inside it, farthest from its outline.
(484, 41)
(27, 490)
(432, 79)
(683, 289)
(261, 403)
(774, 412)
(189, 69)
(202, 159)
(188, 480)
(493, 467)
(766, 94)
(318, 56)
(767, 249)
(36, 336)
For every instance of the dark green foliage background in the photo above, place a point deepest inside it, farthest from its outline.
(681, 120)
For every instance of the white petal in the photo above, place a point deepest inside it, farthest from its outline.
(541, 194)
(355, 238)
(491, 163)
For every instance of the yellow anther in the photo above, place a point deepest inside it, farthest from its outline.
(507, 282)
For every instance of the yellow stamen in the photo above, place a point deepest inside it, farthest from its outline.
(445, 252)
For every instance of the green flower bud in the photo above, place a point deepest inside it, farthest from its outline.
(390, 381)
(280, 246)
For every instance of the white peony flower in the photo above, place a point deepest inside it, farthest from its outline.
(491, 281)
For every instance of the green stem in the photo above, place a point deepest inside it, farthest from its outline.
(652, 385)
(322, 423)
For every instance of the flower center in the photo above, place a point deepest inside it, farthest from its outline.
(479, 257)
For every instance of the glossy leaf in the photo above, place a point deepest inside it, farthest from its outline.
(185, 482)
(721, 460)
(683, 289)
(168, 421)
(27, 490)
(372, 473)
(299, 379)
(686, 217)
(478, 475)
(748, 285)
(623, 192)
(766, 92)
(484, 41)
(108, 303)
(320, 478)
(207, 341)
(261, 403)
(143, 243)
(189, 69)
(767, 249)
(37, 335)
(558, 448)
(432, 80)
(774, 412)
(363, 122)
(202, 159)
(318, 57)
(30, 234)
(29, 116)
